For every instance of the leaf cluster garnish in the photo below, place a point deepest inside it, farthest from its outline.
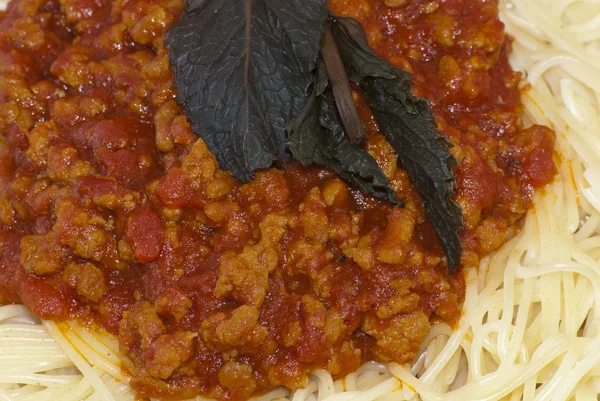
(265, 80)
(241, 69)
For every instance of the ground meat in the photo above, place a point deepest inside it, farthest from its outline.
(141, 324)
(398, 338)
(82, 229)
(237, 378)
(113, 211)
(404, 301)
(398, 232)
(173, 302)
(42, 254)
(240, 327)
(87, 279)
(245, 276)
(168, 352)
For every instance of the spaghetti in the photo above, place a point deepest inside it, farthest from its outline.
(529, 329)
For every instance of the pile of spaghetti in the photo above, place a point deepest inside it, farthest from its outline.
(529, 329)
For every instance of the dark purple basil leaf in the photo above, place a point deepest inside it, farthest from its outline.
(318, 137)
(409, 125)
(242, 68)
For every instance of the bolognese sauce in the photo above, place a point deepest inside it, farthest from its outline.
(114, 213)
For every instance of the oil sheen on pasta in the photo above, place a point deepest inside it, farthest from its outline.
(114, 213)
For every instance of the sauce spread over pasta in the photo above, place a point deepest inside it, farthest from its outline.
(114, 213)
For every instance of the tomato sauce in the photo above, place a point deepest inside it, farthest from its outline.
(114, 213)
